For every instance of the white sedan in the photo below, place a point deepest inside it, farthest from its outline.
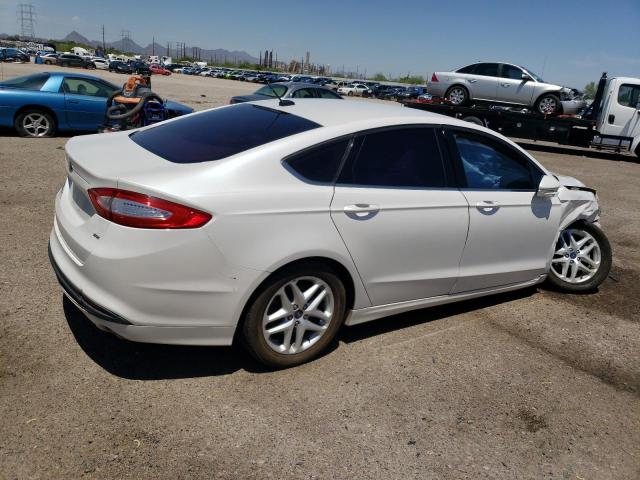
(275, 223)
(100, 63)
(359, 89)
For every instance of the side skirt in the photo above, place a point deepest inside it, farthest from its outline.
(363, 315)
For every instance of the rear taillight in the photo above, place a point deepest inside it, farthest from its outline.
(137, 210)
(434, 78)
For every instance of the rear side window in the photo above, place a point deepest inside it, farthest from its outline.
(32, 82)
(486, 69)
(319, 164)
(467, 69)
(219, 133)
(629, 95)
(405, 157)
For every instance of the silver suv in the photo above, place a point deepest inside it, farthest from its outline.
(504, 83)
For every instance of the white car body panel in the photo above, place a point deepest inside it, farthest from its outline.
(191, 286)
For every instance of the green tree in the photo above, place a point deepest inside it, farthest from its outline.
(590, 90)
(379, 77)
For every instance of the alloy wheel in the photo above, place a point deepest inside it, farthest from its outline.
(577, 257)
(298, 315)
(457, 96)
(36, 124)
(548, 105)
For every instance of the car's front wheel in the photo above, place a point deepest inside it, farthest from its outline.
(35, 123)
(295, 316)
(548, 104)
(582, 259)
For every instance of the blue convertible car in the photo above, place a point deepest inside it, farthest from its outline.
(39, 105)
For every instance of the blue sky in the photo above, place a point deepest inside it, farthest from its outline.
(569, 42)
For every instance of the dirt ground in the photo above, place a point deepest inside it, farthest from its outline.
(533, 384)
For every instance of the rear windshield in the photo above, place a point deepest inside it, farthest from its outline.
(32, 82)
(219, 133)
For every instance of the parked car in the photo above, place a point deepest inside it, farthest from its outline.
(411, 93)
(100, 63)
(49, 58)
(302, 79)
(13, 55)
(275, 225)
(140, 68)
(120, 67)
(158, 69)
(504, 83)
(71, 60)
(359, 89)
(42, 104)
(288, 90)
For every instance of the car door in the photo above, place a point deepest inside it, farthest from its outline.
(513, 88)
(621, 114)
(401, 219)
(483, 82)
(85, 102)
(511, 229)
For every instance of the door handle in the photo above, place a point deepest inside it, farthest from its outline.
(361, 211)
(487, 207)
(473, 80)
(361, 208)
(73, 101)
(611, 119)
(505, 84)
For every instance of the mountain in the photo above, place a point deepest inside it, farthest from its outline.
(128, 45)
(77, 38)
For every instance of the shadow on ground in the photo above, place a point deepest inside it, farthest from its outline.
(143, 361)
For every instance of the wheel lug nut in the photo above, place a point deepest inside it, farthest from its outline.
(305, 317)
(290, 317)
(295, 307)
(566, 255)
(305, 306)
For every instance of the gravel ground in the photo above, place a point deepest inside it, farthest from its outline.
(532, 384)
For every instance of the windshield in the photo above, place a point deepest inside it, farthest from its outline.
(31, 82)
(268, 90)
(537, 78)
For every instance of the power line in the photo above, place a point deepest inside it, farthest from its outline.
(26, 18)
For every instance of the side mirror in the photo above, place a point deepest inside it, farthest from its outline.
(548, 187)
(525, 77)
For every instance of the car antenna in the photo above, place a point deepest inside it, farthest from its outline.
(281, 102)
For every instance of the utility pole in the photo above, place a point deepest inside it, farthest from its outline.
(104, 45)
(26, 18)
(153, 46)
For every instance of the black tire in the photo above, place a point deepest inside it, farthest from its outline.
(22, 120)
(251, 335)
(602, 270)
(350, 94)
(457, 95)
(474, 120)
(543, 104)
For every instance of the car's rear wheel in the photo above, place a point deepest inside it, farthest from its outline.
(457, 95)
(295, 316)
(35, 123)
(582, 259)
(548, 104)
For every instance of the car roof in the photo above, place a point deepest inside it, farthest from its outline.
(338, 112)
